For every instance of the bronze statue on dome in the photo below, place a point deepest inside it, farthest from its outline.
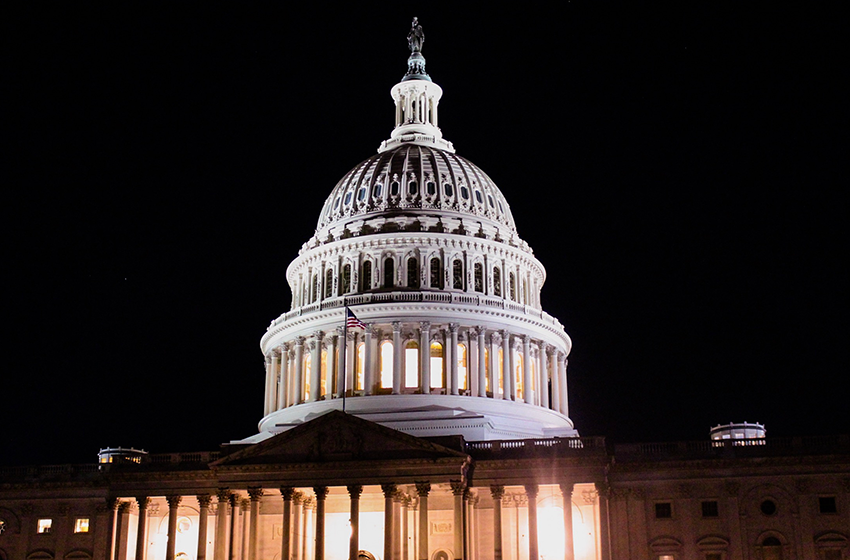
(416, 36)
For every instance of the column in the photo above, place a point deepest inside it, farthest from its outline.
(368, 368)
(397, 524)
(284, 377)
(316, 366)
(112, 508)
(298, 388)
(309, 536)
(389, 490)
(275, 367)
(141, 533)
(397, 366)
(297, 525)
(482, 364)
(405, 527)
(567, 496)
(221, 524)
(497, 491)
(321, 493)
(354, 491)
(173, 504)
(556, 381)
(231, 549)
(458, 488)
(604, 533)
(424, 357)
(342, 348)
(495, 368)
(244, 508)
(286, 493)
(543, 387)
(507, 366)
(422, 489)
(533, 548)
(203, 515)
(122, 530)
(255, 494)
(562, 377)
(452, 357)
(527, 387)
(266, 403)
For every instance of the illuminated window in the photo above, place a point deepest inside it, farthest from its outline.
(663, 510)
(323, 374)
(520, 388)
(411, 364)
(81, 525)
(436, 365)
(497, 282)
(308, 363)
(500, 370)
(184, 524)
(666, 557)
(709, 509)
(386, 365)
(44, 526)
(487, 370)
(412, 273)
(771, 549)
(2, 526)
(461, 367)
(361, 367)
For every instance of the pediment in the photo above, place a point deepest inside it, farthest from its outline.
(337, 436)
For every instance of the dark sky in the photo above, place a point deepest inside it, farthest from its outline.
(681, 175)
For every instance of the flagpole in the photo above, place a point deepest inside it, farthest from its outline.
(344, 351)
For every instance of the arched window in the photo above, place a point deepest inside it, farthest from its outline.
(436, 273)
(478, 271)
(367, 276)
(497, 282)
(345, 283)
(361, 367)
(512, 286)
(412, 273)
(329, 283)
(389, 273)
(386, 365)
(316, 280)
(771, 549)
(437, 379)
(462, 380)
(411, 364)
(520, 387)
(457, 275)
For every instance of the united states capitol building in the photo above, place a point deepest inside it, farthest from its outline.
(416, 408)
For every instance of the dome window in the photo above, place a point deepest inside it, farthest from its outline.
(336, 203)
(361, 194)
(394, 188)
(497, 282)
(367, 275)
(347, 198)
(376, 192)
(412, 273)
(436, 273)
(478, 197)
(502, 210)
(447, 188)
(464, 192)
(490, 200)
(346, 279)
(457, 275)
(478, 271)
(431, 188)
(389, 273)
(413, 187)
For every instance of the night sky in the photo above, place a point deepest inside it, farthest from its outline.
(680, 172)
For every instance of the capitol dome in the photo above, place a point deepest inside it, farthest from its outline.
(445, 334)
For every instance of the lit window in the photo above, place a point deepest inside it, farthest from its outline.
(827, 504)
(2, 526)
(411, 364)
(386, 364)
(520, 389)
(307, 371)
(436, 365)
(666, 557)
(461, 367)
(361, 366)
(709, 509)
(81, 525)
(663, 510)
(323, 373)
(44, 526)
(329, 283)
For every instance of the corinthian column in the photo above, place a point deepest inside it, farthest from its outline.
(567, 495)
(389, 491)
(282, 395)
(397, 368)
(141, 532)
(203, 516)
(221, 524)
(482, 364)
(533, 549)
(298, 389)
(452, 358)
(458, 488)
(354, 491)
(255, 494)
(321, 493)
(497, 491)
(316, 366)
(527, 386)
(173, 504)
(423, 488)
(507, 366)
(424, 357)
(368, 370)
(286, 531)
(544, 375)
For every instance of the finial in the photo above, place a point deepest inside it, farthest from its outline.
(416, 62)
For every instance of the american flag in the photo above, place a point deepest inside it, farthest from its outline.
(351, 320)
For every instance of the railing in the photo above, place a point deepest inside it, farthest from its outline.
(817, 445)
(547, 446)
